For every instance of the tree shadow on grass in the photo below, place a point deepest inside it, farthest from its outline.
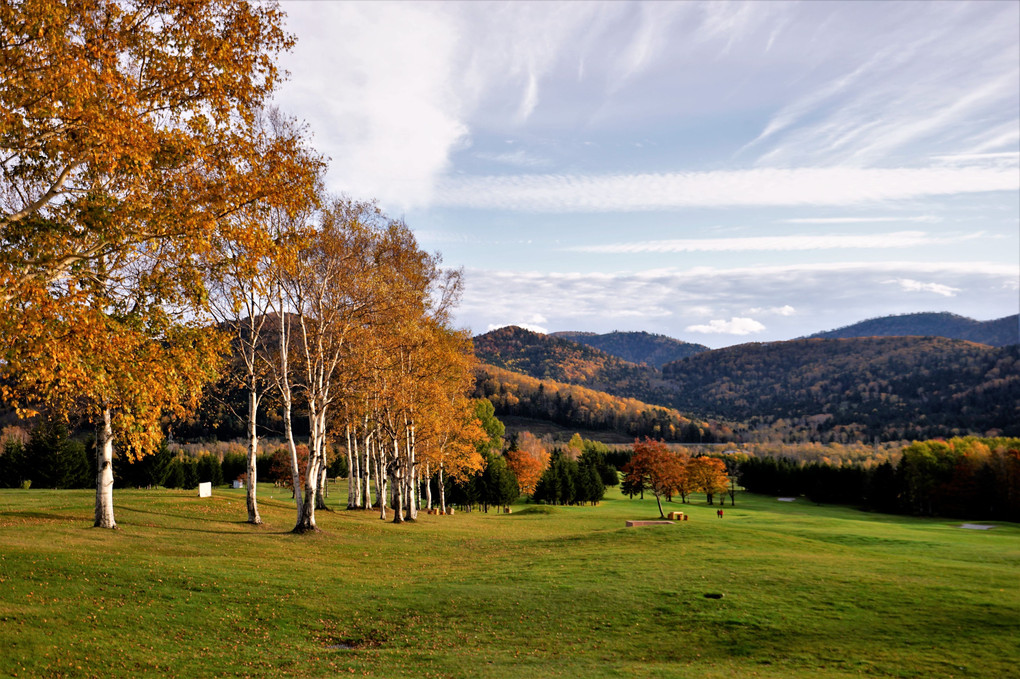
(185, 518)
(46, 516)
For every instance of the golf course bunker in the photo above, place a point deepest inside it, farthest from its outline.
(976, 526)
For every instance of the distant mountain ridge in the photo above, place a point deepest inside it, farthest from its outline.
(892, 387)
(546, 357)
(902, 387)
(636, 347)
(1001, 332)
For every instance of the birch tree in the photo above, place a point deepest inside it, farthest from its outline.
(125, 142)
(241, 269)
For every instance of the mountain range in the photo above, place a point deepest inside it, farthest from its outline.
(1000, 332)
(860, 385)
(637, 347)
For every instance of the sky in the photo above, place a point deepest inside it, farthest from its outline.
(719, 172)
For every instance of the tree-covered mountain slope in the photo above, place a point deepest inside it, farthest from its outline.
(894, 387)
(1000, 332)
(546, 357)
(636, 347)
(570, 405)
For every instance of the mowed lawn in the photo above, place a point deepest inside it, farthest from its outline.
(185, 588)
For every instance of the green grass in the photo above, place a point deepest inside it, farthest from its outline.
(186, 588)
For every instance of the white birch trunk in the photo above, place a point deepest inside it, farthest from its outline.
(412, 477)
(352, 472)
(366, 496)
(399, 478)
(428, 488)
(442, 490)
(285, 392)
(253, 449)
(104, 473)
(306, 522)
(380, 481)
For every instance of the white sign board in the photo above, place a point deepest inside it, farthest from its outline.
(205, 489)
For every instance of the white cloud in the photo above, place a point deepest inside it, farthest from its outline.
(912, 81)
(1005, 157)
(762, 187)
(785, 310)
(911, 285)
(928, 219)
(814, 296)
(393, 90)
(899, 239)
(734, 326)
(374, 81)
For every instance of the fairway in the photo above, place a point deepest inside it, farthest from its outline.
(186, 588)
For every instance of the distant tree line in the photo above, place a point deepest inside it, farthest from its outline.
(966, 477)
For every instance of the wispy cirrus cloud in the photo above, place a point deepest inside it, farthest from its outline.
(724, 188)
(899, 239)
(926, 219)
(916, 81)
(518, 158)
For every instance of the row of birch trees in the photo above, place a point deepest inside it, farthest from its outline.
(347, 321)
(148, 193)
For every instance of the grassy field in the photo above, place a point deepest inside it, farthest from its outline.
(186, 588)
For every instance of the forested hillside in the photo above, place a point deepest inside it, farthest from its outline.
(574, 406)
(637, 347)
(800, 390)
(546, 357)
(894, 387)
(997, 333)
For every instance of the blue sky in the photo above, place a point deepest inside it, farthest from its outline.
(717, 172)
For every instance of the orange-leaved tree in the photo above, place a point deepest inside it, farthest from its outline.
(126, 141)
(708, 475)
(661, 469)
(527, 459)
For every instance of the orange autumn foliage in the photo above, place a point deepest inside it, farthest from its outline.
(528, 461)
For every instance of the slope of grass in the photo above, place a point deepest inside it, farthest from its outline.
(186, 588)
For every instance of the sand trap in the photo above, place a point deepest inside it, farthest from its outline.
(977, 526)
(786, 499)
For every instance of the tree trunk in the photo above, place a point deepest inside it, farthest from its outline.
(285, 393)
(398, 508)
(352, 473)
(104, 473)
(412, 478)
(380, 481)
(366, 498)
(317, 427)
(306, 521)
(442, 490)
(428, 488)
(659, 502)
(253, 449)
(322, 490)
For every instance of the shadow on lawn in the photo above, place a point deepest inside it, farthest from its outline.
(191, 518)
(44, 516)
